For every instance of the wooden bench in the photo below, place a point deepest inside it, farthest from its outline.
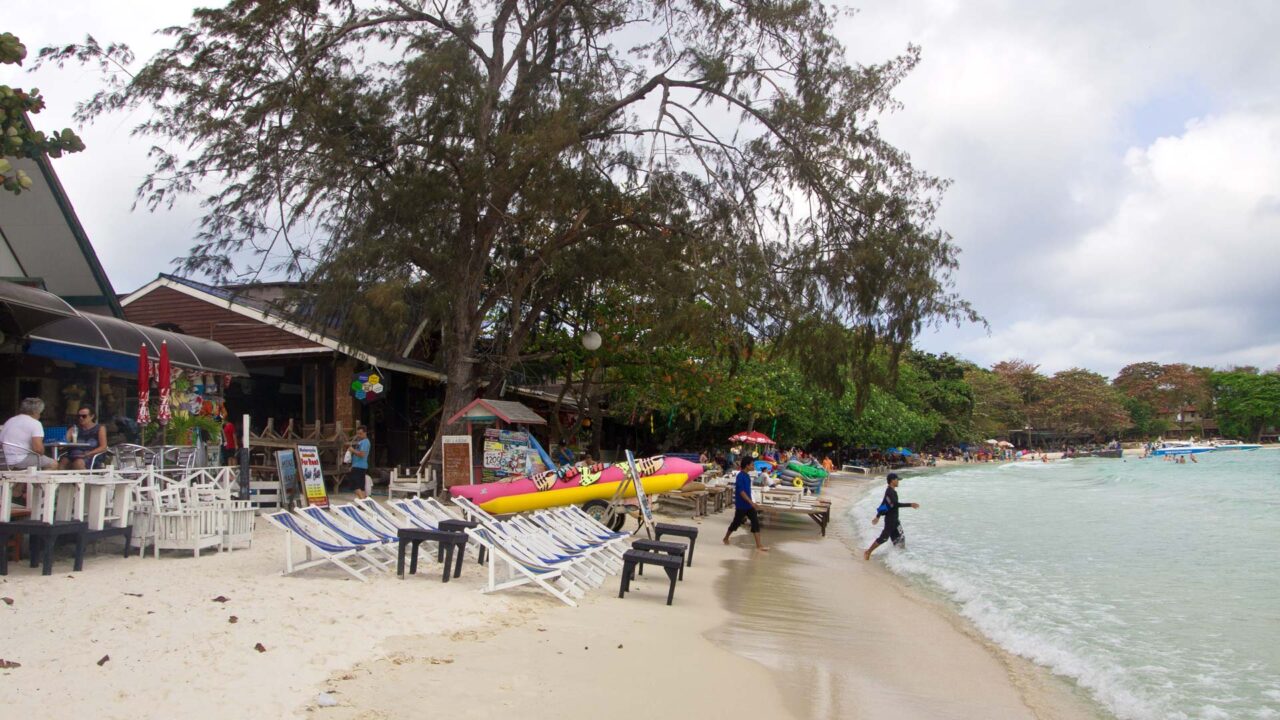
(817, 511)
(632, 559)
(685, 531)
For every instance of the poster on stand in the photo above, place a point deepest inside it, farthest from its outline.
(312, 475)
(287, 469)
(509, 453)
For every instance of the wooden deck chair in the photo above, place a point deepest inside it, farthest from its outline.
(523, 570)
(350, 558)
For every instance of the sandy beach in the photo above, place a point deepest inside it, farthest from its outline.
(802, 631)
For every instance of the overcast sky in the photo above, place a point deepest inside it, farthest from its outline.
(1116, 166)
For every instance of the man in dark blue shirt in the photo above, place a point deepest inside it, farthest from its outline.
(889, 509)
(744, 506)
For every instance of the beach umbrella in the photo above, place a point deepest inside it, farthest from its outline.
(752, 436)
(144, 386)
(1005, 444)
(163, 413)
(993, 442)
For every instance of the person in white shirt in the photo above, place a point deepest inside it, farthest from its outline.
(23, 437)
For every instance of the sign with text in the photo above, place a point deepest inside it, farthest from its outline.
(456, 451)
(312, 475)
(646, 510)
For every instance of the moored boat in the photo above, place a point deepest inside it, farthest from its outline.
(1181, 447)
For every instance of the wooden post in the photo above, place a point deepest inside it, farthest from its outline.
(344, 404)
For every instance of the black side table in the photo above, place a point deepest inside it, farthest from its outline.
(449, 543)
(461, 526)
(48, 534)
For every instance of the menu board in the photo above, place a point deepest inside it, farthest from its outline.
(312, 475)
(456, 451)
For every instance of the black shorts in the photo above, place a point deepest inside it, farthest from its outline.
(893, 532)
(354, 479)
(741, 514)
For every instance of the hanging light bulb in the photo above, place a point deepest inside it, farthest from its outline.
(591, 340)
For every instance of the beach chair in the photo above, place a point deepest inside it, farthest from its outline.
(351, 558)
(539, 546)
(325, 523)
(371, 525)
(523, 569)
(414, 516)
(381, 515)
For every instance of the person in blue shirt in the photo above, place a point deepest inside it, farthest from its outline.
(744, 506)
(360, 449)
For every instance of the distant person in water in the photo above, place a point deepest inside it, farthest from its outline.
(744, 506)
(889, 509)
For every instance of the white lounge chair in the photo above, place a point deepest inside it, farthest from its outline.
(523, 569)
(351, 558)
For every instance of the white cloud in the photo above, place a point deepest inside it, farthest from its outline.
(1117, 190)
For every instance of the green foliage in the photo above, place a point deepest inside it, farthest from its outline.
(1246, 403)
(179, 430)
(17, 138)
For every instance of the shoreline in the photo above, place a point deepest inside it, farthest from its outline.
(393, 649)
(872, 645)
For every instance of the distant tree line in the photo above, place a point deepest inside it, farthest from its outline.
(686, 400)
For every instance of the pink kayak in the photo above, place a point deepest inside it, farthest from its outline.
(575, 476)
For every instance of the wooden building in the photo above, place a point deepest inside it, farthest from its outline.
(297, 375)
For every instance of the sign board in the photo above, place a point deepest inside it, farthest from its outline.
(312, 475)
(287, 471)
(646, 510)
(456, 451)
(509, 453)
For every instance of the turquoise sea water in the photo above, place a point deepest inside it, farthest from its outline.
(1155, 586)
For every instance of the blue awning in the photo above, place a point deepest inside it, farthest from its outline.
(113, 344)
(93, 357)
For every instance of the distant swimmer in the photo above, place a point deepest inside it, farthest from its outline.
(889, 509)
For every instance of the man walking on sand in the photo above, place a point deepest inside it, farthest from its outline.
(744, 507)
(889, 509)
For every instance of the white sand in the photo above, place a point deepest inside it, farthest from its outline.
(420, 648)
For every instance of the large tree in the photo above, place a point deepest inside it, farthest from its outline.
(1081, 401)
(458, 168)
(1246, 402)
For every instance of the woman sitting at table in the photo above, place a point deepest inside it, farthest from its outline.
(86, 430)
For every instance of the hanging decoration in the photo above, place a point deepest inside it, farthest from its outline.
(368, 386)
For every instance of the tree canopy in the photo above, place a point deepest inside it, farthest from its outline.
(17, 138)
(474, 173)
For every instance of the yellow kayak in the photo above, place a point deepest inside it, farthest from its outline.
(525, 502)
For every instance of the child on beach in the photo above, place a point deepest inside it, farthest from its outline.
(889, 509)
(744, 507)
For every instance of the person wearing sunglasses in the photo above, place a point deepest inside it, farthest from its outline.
(86, 430)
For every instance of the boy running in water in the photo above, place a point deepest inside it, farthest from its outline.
(889, 509)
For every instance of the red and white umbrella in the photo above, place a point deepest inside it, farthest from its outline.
(752, 436)
(163, 413)
(144, 387)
